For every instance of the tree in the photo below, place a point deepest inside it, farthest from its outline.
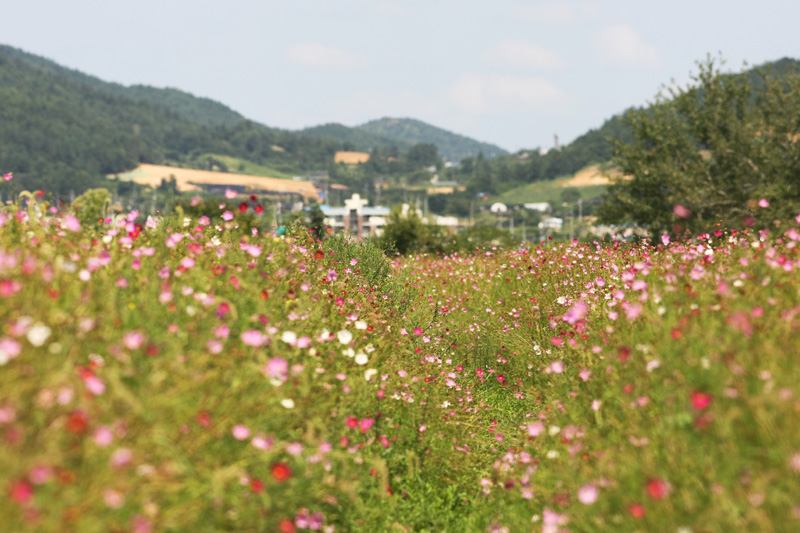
(706, 154)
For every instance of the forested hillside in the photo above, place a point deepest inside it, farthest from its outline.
(451, 146)
(62, 130)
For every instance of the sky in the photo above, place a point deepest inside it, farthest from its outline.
(509, 72)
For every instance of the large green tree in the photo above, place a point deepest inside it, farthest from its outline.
(709, 153)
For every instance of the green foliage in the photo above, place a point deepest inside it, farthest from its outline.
(92, 206)
(714, 148)
(64, 131)
(404, 231)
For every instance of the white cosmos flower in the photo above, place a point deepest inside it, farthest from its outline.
(370, 373)
(38, 334)
(362, 359)
(289, 337)
(344, 336)
(360, 324)
(288, 403)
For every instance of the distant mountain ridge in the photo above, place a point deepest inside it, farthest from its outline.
(452, 146)
(404, 133)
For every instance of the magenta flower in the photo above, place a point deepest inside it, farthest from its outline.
(8, 176)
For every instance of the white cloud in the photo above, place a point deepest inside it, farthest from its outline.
(556, 13)
(321, 56)
(620, 46)
(521, 55)
(505, 94)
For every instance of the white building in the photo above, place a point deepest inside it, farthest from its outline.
(356, 217)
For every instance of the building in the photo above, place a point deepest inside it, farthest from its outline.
(542, 207)
(356, 217)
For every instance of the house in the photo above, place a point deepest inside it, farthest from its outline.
(356, 217)
(551, 223)
(542, 207)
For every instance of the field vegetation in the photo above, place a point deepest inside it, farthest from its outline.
(188, 374)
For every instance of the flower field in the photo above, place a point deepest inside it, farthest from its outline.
(182, 375)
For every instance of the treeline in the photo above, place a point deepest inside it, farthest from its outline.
(63, 131)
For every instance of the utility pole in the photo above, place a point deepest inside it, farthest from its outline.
(571, 218)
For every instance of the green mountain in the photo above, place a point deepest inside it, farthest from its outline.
(62, 130)
(404, 133)
(451, 146)
(353, 138)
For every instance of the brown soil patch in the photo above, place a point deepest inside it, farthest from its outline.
(189, 180)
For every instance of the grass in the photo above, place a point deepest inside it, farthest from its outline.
(237, 165)
(545, 191)
(181, 376)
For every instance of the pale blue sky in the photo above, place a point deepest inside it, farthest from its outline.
(508, 72)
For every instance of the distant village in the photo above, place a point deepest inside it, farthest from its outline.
(349, 211)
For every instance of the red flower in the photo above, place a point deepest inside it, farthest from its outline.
(203, 418)
(319, 254)
(281, 472)
(20, 491)
(253, 198)
(256, 485)
(243, 207)
(657, 488)
(77, 422)
(700, 400)
(286, 526)
(636, 510)
(259, 209)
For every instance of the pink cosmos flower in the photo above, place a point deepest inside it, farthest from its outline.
(227, 216)
(551, 520)
(240, 432)
(763, 203)
(254, 338)
(113, 499)
(587, 494)
(8, 176)
(681, 212)
(133, 340)
(103, 436)
(577, 312)
(121, 457)
(72, 223)
(535, 429)
(276, 367)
